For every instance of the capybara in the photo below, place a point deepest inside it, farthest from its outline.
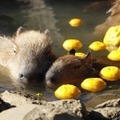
(112, 20)
(69, 69)
(27, 55)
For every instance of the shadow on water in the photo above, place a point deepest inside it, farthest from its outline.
(55, 15)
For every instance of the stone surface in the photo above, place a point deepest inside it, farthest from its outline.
(24, 106)
(4, 105)
(28, 107)
(37, 112)
(17, 98)
(109, 110)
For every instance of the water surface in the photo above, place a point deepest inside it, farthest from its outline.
(55, 15)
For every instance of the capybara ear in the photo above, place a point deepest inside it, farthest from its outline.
(88, 58)
(47, 33)
(19, 30)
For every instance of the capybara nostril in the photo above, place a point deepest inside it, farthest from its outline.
(21, 75)
(48, 83)
(23, 79)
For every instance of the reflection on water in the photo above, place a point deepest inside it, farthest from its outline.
(54, 15)
(91, 16)
(93, 99)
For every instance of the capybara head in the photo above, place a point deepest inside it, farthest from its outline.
(68, 69)
(27, 55)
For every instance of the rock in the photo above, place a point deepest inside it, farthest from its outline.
(35, 112)
(28, 107)
(73, 106)
(20, 98)
(109, 110)
(110, 103)
(4, 105)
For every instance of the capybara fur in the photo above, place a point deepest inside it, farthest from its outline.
(112, 20)
(27, 55)
(69, 69)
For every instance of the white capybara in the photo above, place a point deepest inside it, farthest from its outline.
(27, 55)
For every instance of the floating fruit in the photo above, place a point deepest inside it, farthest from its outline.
(110, 73)
(67, 92)
(70, 44)
(114, 55)
(75, 22)
(93, 84)
(118, 48)
(80, 54)
(97, 45)
(112, 38)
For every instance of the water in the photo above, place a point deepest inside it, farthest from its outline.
(55, 15)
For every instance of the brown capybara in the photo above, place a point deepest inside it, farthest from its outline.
(27, 55)
(69, 69)
(112, 20)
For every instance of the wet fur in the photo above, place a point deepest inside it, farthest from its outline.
(68, 69)
(29, 52)
(112, 20)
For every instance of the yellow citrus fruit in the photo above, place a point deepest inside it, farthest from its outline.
(67, 91)
(112, 38)
(75, 22)
(97, 45)
(110, 73)
(93, 84)
(114, 55)
(118, 48)
(80, 54)
(72, 44)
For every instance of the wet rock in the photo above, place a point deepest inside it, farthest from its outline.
(28, 107)
(72, 106)
(20, 98)
(4, 105)
(109, 110)
(35, 112)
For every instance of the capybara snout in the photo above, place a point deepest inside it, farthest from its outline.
(34, 71)
(27, 55)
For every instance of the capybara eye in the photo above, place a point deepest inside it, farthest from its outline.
(14, 51)
(77, 66)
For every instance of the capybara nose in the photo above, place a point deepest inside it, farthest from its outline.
(22, 78)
